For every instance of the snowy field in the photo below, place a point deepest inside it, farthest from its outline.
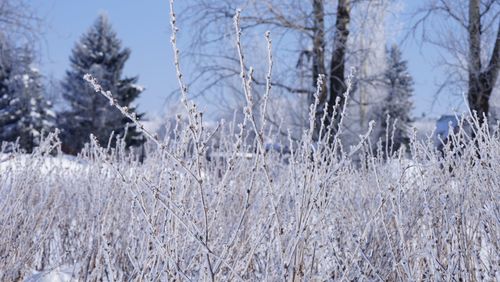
(236, 213)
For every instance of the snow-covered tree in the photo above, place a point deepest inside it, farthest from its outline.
(37, 115)
(99, 53)
(24, 111)
(395, 112)
(8, 102)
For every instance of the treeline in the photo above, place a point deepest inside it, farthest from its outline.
(26, 114)
(322, 41)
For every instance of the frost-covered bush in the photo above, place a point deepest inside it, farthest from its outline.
(248, 214)
(219, 205)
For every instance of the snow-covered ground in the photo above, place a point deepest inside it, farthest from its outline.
(60, 274)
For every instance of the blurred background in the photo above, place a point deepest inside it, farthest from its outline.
(412, 60)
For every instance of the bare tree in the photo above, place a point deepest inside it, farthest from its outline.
(311, 39)
(18, 20)
(470, 37)
(329, 94)
(338, 58)
(482, 77)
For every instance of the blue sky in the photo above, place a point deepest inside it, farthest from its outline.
(144, 27)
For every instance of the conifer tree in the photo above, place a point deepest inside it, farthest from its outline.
(99, 53)
(397, 105)
(25, 114)
(9, 114)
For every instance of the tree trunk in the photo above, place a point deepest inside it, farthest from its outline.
(481, 82)
(337, 85)
(318, 57)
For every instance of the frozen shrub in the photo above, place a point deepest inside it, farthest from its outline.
(251, 215)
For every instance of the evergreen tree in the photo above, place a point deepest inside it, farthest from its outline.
(9, 103)
(397, 105)
(99, 53)
(24, 111)
(37, 115)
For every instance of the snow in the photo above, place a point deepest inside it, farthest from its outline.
(45, 165)
(60, 274)
(26, 80)
(139, 88)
